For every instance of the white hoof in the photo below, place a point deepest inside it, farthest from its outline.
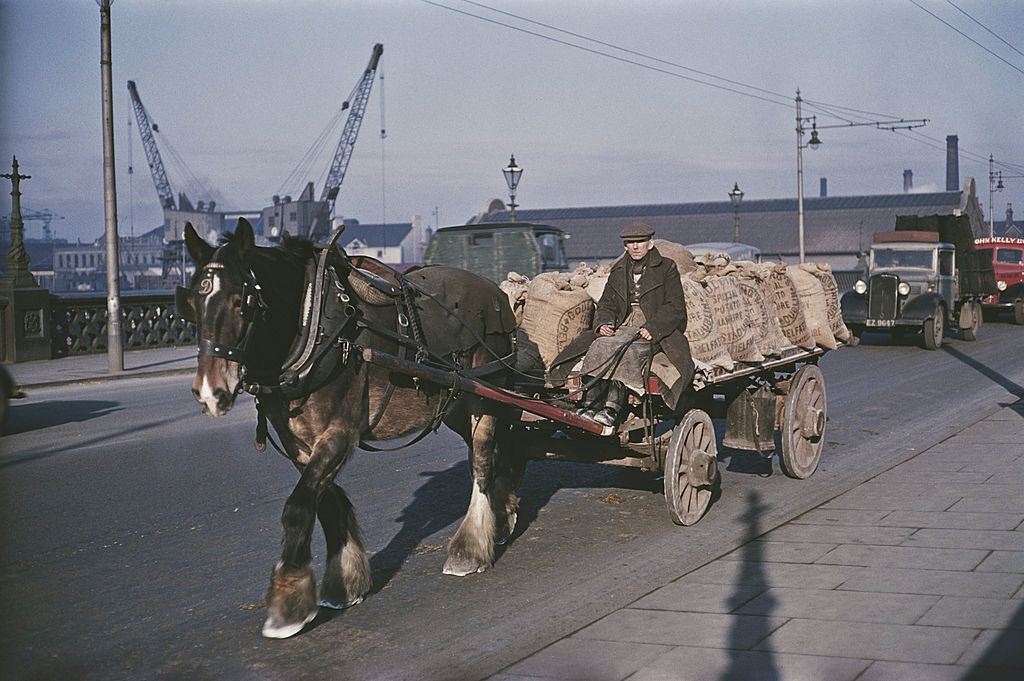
(337, 605)
(286, 631)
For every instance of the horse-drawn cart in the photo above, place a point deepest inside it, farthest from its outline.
(785, 394)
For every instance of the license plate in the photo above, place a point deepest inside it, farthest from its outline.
(880, 322)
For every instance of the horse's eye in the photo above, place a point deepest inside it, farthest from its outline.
(237, 302)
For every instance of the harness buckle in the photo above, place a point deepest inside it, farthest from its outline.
(402, 319)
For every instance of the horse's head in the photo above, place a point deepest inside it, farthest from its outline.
(224, 301)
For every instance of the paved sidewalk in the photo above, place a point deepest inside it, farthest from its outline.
(90, 368)
(917, 574)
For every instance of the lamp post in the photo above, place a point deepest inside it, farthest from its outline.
(512, 173)
(814, 142)
(736, 196)
(115, 341)
(995, 184)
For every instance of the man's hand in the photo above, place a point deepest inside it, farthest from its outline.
(606, 330)
(645, 334)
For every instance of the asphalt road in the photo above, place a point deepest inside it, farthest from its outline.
(138, 536)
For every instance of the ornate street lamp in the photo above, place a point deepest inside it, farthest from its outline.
(736, 196)
(800, 146)
(512, 173)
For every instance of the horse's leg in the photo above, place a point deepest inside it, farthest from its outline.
(347, 578)
(492, 503)
(291, 599)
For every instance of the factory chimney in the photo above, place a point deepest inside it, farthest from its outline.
(908, 181)
(824, 187)
(952, 163)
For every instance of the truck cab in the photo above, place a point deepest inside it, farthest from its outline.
(912, 284)
(493, 250)
(1008, 264)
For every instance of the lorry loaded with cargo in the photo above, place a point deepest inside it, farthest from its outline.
(1007, 254)
(925, 277)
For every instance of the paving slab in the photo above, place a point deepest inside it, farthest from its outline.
(687, 663)
(871, 640)
(996, 540)
(925, 474)
(904, 557)
(994, 504)
(1003, 561)
(952, 520)
(978, 613)
(586, 660)
(831, 534)
(674, 628)
(937, 582)
(735, 572)
(695, 597)
(997, 649)
(909, 671)
(851, 606)
(874, 501)
(779, 551)
(839, 516)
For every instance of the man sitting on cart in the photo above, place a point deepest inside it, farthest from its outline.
(638, 328)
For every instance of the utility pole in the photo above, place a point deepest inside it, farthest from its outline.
(115, 349)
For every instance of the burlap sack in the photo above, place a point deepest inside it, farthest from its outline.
(732, 317)
(515, 287)
(823, 271)
(706, 343)
(767, 332)
(677, 253)
(812, 299)
(555, 313)
(781, 292)
(596, 282)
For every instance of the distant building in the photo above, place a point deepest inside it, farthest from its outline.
(146, 262)
(836, 228)
(393, 243)
(298, 218)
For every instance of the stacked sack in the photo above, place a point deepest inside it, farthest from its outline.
(557, 309)
(782, 293)
(763, 318)
(515, 287)
(731, 310)
(823, 272)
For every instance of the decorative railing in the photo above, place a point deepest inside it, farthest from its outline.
(148, 320)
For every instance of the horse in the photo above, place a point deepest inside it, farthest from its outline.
(252, 307)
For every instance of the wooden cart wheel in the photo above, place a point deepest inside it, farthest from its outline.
(803, 423)
(691, 470)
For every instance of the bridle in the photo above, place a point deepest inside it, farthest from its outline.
(252, 308)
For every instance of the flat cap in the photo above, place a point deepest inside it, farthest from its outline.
(638, 231)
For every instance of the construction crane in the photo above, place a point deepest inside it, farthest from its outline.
(156, 164)
(356, 103)
(45, 216)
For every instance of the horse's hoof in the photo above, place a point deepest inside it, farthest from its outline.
(506, 536)
(273, 629)
(339, 605)
(460, 567)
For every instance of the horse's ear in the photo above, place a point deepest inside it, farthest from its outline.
(200, 251)
(244, 238)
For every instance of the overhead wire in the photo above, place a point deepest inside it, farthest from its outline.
(839, 112)
(999, 37)
(957, 30)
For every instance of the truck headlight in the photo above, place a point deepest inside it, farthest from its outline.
(903, 288)
(1001, 285)
(860, 287)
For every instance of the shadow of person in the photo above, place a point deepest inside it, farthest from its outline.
(26, 417)
(1011, 386)
(746, 631)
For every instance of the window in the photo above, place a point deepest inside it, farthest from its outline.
(890, 258)
(481, 239)
(1012, 256)
(380, 254)
(945, 264)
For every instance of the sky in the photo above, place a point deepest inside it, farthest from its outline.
(651, 101)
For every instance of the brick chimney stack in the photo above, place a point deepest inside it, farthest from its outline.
(952, 163)
(824, 187)
(908, 181)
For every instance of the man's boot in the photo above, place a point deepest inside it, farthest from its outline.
(614, 405)
(591, 400)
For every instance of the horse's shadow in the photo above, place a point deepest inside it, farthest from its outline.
(443, 498)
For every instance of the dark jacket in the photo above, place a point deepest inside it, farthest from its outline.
(662, 302)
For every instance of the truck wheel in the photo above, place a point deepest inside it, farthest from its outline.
(1018, 312)
(934, 328)
(971, 333)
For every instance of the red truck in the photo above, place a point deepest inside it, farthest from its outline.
(1008, 263)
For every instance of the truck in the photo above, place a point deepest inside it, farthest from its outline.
(915, 283)
(493, 250)
(1008, 266)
